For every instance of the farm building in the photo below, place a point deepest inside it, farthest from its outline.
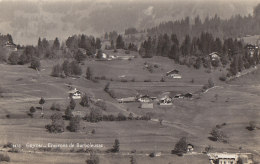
(178, 96)
(144, 98)
(188, 95)
(146, 105)
(221, 158)
(252, 49)
(126, 100)
(229, 158)
(175, 76)
(75, 94)
(190, 147)
(214, 56)
(165, 100)
(10, 46)
(172, 72)
(103, 56)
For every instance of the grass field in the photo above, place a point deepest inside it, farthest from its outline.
(234, 103)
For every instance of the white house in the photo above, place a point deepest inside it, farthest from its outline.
(75, 94)
(190, 147)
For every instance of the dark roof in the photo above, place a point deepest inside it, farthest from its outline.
(188, 95)
(175, 71)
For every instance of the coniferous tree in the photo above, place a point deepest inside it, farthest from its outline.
(116, 146)
(186, 46)
(98, 43)
(120, 42)
(56, 44)
(72, 104)
(89, 73)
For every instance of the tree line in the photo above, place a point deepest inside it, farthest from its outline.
(194, 51)
(236, 26)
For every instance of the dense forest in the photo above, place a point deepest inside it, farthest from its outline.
(237, 26)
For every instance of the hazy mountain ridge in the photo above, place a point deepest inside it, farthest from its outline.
(26, 21)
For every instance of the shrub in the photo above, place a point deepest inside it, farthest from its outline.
(56, 70)
(84, 101)
(112, 93)
(121, 117)
(8, 145)
(147, 80)
(4, 158)
(218, 135)
(109, 117)
(57, 125)
(75, 69)
(13, 150)
(89, 73)
(95, 115)
(150, 68)
(180, 147)
(210, 83)
(101, 105)
(152, 155)
(32, 109)
(103, 78)
(72, 104)
(208, 148)
(79, 56)
(35, 64)
(66, 67)
(93, 159)
(13, 58)
(116, 146)
(223, 78)
(132, 160)
(3, 53)
(162, 80)
(74, 124)
(145, 117)
(130, 116)
(106, 89)
(252, 125)
(55, 106)
(68, 113)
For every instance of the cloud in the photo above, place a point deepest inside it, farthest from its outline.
(149, 11)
